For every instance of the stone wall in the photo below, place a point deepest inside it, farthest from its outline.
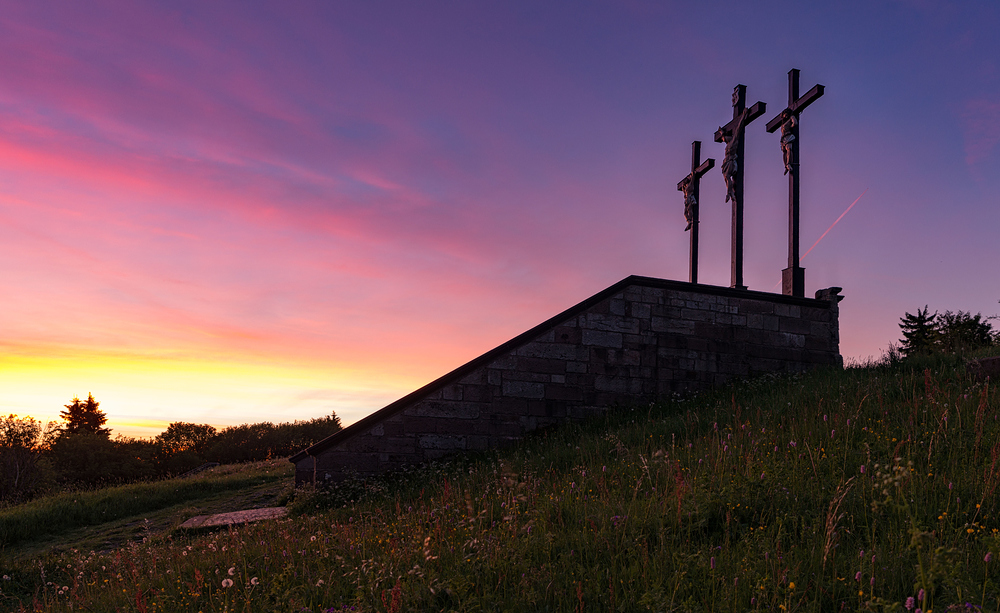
(638, 340)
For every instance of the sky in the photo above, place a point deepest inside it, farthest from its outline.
(234, 212)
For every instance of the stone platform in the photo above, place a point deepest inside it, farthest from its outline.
(234, 518)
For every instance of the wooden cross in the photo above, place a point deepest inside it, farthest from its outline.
(793, 278)
(732, 170)
(689, 187)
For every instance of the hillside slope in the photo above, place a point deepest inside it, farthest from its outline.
(835, 490)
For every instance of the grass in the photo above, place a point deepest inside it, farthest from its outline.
(835, 490)
(58, 514)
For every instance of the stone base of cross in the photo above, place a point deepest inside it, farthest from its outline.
(793, 281)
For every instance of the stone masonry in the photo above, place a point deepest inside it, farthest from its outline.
(636, 341)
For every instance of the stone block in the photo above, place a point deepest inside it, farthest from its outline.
(507, 362)
(476, 377)
(600, 338)
(640, 310)
(523, 389)
(450, 410)
(477, 393)
(563, 392)
(576, 367)
(546, 366)
(653, 295)
(441, 441)
(564, 334)
(787, 310)
(795, 326)
(696, 315)
(552, 351)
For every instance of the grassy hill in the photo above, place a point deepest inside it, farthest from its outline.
(835, 490)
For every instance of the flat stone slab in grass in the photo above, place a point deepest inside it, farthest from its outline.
(236, 517)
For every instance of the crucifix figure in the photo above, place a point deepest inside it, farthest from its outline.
(689, 187)
(793, 278)
(732, 170)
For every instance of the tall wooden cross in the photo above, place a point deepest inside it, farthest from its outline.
(689, 187)
(793, 278)
(732, 170)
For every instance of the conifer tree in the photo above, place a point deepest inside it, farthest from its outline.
(86, 416)
(920, 334)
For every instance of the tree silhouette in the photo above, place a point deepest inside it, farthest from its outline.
(919, 332)
(83, 416)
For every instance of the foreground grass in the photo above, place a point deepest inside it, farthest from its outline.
(61, 513)
(851, 490)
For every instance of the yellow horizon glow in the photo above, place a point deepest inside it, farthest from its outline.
(141, 394)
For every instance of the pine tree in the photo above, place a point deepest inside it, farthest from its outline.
(86, 416)
(920, 333)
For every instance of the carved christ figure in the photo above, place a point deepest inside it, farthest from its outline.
(686, 187)
(787, 137)
(730, 163)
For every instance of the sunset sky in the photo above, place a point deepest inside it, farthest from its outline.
(231, 212)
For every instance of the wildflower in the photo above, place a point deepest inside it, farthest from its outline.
(232, 571)
(227, 583)
(320, 582)
(255, 581)
(711, 563)
(910, 603)
(862, 469)
(920, 595)
(986, 558)
(857, 576)
(791, 585)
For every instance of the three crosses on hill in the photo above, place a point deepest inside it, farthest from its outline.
(732, 134)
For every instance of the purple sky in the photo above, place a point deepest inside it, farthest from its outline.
(231, 212)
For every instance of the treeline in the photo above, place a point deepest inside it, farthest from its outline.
(80, 452)
(926, 333)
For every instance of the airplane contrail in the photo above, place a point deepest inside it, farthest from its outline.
(834, 223)
(830, 228)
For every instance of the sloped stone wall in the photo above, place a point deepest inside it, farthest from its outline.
(638, 340)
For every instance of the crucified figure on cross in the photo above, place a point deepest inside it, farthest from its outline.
(732, 170)
(731, 160)
(689, 187)
(793, 278)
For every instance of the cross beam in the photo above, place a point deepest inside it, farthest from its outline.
(732, 170)
(793, 278)
(689, 187)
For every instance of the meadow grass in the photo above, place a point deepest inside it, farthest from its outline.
(58, 513)
(872, 488)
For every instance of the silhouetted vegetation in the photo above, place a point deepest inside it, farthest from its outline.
(81, 453)
(950, 333)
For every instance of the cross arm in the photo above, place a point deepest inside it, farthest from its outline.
(696, 174)
(811, 96)
(748, 115)
(795, 108)
(778, 120)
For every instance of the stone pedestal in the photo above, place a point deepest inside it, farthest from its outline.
(793, 281)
